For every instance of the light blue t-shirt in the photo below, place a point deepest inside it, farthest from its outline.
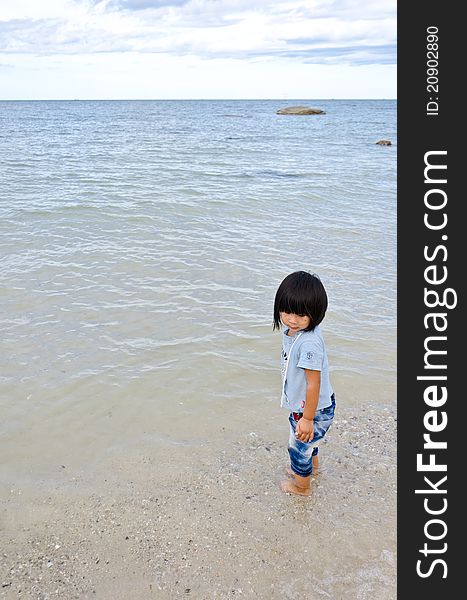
(304, 350)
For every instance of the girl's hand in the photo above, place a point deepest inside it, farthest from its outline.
(304, 430)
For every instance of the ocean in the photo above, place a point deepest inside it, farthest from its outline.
(142, 243)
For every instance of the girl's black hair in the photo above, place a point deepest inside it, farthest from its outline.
(301, 293)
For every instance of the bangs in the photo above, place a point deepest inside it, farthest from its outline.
(292, 303)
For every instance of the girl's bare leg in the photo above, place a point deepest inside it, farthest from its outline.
(315, 462)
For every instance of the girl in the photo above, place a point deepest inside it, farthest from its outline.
(299, 306)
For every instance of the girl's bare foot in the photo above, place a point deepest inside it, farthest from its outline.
(290, 487)
(300, 485)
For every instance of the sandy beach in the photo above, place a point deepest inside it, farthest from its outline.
(216, 527)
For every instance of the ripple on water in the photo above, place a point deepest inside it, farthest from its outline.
(140, 262)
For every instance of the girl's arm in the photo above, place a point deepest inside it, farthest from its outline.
(305, 429)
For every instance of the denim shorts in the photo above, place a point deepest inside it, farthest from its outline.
(301, 452)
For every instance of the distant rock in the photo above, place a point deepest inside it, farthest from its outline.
(384, 143)
(300, 110)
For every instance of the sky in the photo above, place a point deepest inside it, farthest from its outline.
(197, 49)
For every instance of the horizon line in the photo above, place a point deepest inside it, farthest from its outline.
(176, 99)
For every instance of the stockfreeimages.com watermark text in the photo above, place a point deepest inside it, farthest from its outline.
(438, 299)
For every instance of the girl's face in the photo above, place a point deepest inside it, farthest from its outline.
(295, 322)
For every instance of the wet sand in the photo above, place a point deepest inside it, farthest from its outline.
(213, 523)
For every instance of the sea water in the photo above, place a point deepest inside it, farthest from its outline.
(141, 246)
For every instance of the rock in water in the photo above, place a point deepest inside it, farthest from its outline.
(384, 143)
(300, 110)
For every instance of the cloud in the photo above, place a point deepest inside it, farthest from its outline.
(363, 55)
(144, 4)
(57, 37)
(319, 30)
